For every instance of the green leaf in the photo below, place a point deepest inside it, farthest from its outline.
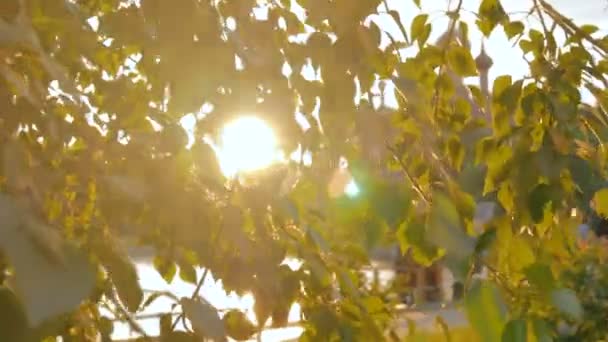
(455, 152)
(238, 326)
(501, 84)
(374, 304)
(13, 321)
(70, 283)
(483, 148)
(151, 298)
(404, 241)
(485, 240)
(515, 331)
(537, 40)
(485, 310)
(187, 273)
(461, 61)
(165, 324)
(43, 264)
(600, 202)
(542, 331)
(165, 268)
(540, 276)
(589, 29)
(388, 202)
(491, 13)
(539, 197)
(445, 229)
(519, 253)
(498, 162)
(204, 319)
(418, 27)
(513, 28)
(463, 30)
(526, 45)
(123, 274)
(506, 196)
(537, 134)
(413, 235)
(567, 302)
(445, 85)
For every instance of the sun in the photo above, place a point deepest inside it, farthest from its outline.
(246, 144)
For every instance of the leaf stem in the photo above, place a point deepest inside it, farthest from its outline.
(195, 293)
(568, 25)
(411, 179)
(127, 316)
(200, 283)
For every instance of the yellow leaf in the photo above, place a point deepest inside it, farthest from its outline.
(461, 61)
(600, 202)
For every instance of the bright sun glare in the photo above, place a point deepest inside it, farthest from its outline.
(352, 189)
(247, 144)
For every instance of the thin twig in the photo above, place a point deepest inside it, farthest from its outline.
(200, 284)
(572, 28)
(127, 316)
(399, 24)
(411, 179)
(449, 37)
(537, 8)
(195, 293)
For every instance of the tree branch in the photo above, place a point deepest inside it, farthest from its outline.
(409, 177)
(133, 324)
(569, 25)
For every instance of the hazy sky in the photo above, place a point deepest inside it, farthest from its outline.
(507, 60)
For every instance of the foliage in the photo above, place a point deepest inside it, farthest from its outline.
(455, 335)
(94, 157)
(586, 275)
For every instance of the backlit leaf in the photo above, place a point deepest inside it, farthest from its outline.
(461, 61)
(491, 13)
(238, 325)
(418, 27)
(485, 310)
(165, 268)
(540, 275)
(43, 264)
(187, 273)
(204, 319)
(513, 28)
(123, 274)
(445, 229)
(600, 201)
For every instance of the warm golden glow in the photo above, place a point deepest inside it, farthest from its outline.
(247, 144)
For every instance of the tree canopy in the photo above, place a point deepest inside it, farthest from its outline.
(95, 160)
